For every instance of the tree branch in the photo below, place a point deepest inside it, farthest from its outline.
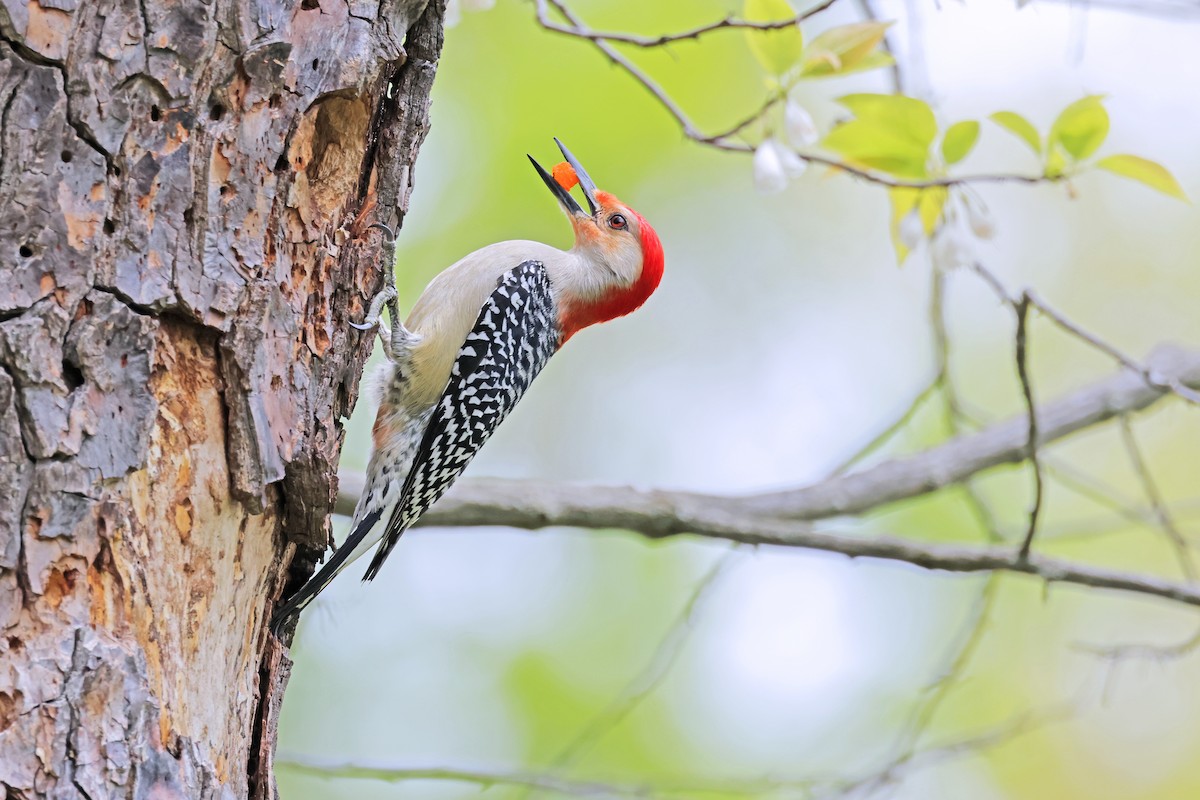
(658, 513)
(782, 518)
(728, 23)
(721, 141)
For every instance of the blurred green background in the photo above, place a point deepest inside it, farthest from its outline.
(783, 338)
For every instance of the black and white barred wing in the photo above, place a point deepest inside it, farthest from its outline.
(513, 338)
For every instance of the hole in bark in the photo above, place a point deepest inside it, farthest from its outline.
(216, 112)
(155, 113)
(309, 5)
(66, 156)
(25, 250)
(14, 643)
(109, 226)
(334, 143)
(276, 101)
(223, 190)
(72, 376)
(8, 709)
(281, 163)
(316, 63)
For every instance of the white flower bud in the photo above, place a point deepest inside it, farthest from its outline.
(799, 126)
(951, 249)
(769, 174)
(912, 229)
(980, 220)
(793, 165)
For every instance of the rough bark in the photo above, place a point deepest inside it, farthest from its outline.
(184, 194)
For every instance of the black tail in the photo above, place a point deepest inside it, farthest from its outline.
(309, 591)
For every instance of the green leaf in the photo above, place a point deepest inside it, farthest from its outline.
(1151, 173)
(960, 138)
(930, 203)
(908, 116)
(843, 49)
(866, 145)
(777, 50)
(1081, 128)
(1056, 161)
(1022, 128)
(891, 133)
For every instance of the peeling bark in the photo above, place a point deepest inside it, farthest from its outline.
(185, 190)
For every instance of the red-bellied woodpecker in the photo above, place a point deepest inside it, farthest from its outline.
(476, 338)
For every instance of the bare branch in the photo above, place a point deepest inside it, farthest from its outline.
(1181, 10)
(967, 455)
(959, 657)
(728, 23)
(655, 671)
(484, 778)
(1150, 652)
(722, 141)
(955, 415)
(1021, 307)
(1147, 373)
(911, 761)
(892, 771)
(1154, 496)
(886, 435)
(764, 518)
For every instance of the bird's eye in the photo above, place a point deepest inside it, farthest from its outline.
(617, 222)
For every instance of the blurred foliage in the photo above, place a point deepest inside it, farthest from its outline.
(779, 343)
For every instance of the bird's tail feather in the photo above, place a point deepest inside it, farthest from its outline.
(336, 563)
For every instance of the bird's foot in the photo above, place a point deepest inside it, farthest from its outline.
(375, 312)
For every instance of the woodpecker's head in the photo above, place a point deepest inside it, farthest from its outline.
(615, 240)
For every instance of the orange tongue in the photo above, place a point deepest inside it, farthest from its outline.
(564, 175)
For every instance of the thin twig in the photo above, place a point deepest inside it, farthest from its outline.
(484, 778)
(654, 673)
(576, 29)
(960, 656)
(1154, 496)
(911, 761)
(722, 141)
(1021, 307)
(1150, 652)
(955, 415)
(886, 435)
(760, 519)
(826, 788)
(1148, 374)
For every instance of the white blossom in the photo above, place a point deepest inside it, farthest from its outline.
(980, 220)
(799, 126)
(769, 174)
(951, 249)
(912, 229)
(793, 165)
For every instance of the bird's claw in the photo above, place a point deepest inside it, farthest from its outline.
(376, 311)
(390, 235)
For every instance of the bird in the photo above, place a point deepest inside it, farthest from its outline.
(477, 336)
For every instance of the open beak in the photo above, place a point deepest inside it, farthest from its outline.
(564, 197)
(585, 181)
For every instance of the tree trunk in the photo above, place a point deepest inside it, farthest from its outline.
(185, 189)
